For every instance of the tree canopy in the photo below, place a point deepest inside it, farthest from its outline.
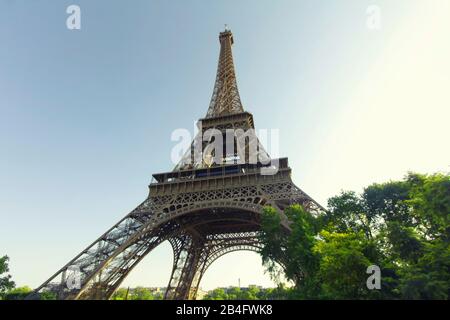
(138, 293)
(6, 283)
(400, 226)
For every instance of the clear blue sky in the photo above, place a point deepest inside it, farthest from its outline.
(86, 115)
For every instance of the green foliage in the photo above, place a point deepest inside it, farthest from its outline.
(250, 293)
(300, 242)
(401, 226)
(216, 294)
(18, 293)
(120, 294)
(347, 214)
(429, 277)
(387, 201)
(281, 292)
(141, 293)
(405, 242)
(6, 283)
(274, 240)
(343, 261)
(48, 295)
(293, 250)
(430, 201)
(138, 293)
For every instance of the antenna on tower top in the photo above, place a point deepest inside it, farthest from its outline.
(226, 27)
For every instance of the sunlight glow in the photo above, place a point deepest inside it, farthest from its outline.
(397, 120)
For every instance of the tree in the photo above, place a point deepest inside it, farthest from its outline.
(48, 295)
(346, 213)
(216, 294)
(5, 279)
(294, 249)
(430, 201)
(343, 260)
(251, 293)
(401, 226)
(138, 293)
(18, 293)
(141, 293)
(120, 294)
(281, 292)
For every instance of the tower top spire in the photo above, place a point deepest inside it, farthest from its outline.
(225, 98)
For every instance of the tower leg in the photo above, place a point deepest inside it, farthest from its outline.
(189, 261)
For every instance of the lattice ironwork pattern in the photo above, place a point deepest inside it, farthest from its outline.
(105, 263)
(203, 213)
(225, 98)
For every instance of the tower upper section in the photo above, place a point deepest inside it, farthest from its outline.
(225, 98)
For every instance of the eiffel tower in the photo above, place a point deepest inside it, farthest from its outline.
(204, 209)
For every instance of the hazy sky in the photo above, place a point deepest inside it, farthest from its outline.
(86, 115)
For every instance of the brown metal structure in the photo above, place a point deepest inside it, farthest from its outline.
(203, 210)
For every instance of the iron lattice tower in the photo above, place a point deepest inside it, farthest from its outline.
(204, 210)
